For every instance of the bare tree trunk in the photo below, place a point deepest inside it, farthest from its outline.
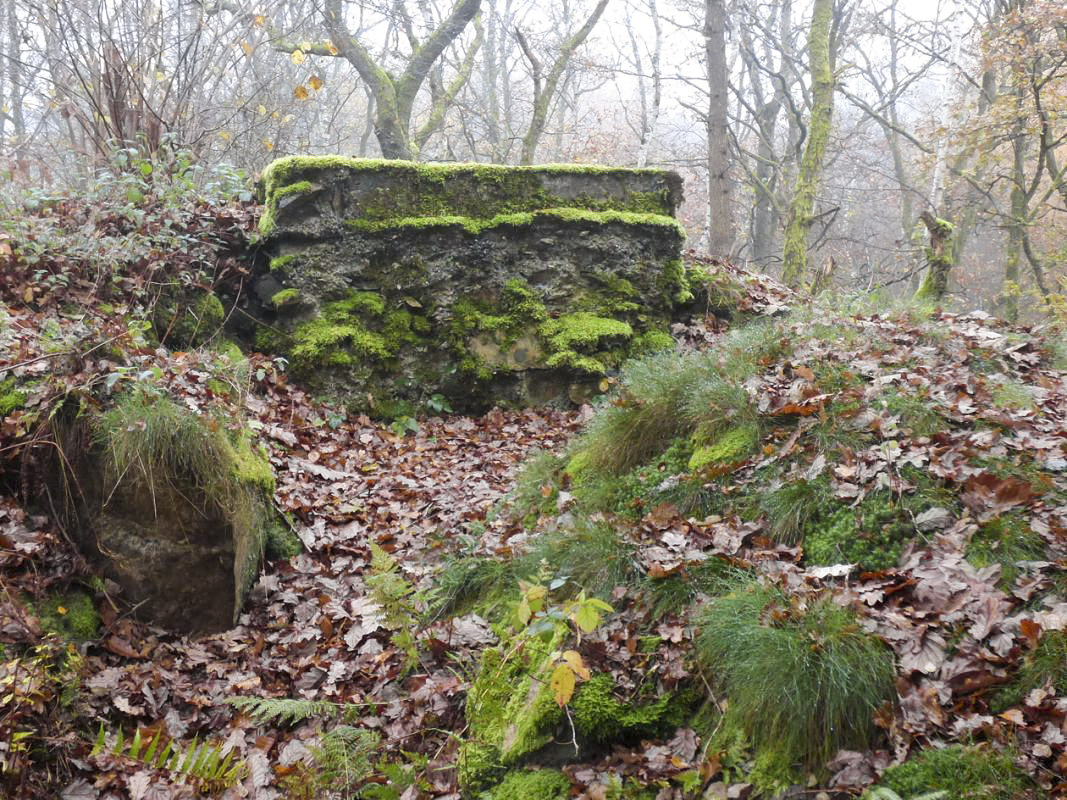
(795, 248)
(720, 210)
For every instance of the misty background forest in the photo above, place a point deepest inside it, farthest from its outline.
(955, 108)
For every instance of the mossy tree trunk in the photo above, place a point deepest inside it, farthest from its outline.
(394, 95)
(940, 255)
(545, 86)
(720, 211)
(799, 222)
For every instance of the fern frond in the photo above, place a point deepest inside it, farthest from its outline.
(285, 710)
(204, 761)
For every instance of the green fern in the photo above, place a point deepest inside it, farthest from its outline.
(288, 711)
(203, 762)
(396, 596)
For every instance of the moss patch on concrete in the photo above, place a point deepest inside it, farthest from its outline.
(391, 190)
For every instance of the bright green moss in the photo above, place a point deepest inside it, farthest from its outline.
(511, 712)
(70, 615)
(278, 262)
(732, 446)
(477, 225)
(578, 340)
(872, 535)
(251, 467)
(651, 342)
(536, 784)
(286, 297)
(966, 773)
(675, 280)
(10, 397)
(600, 716)
(341, 334)
(275, 191)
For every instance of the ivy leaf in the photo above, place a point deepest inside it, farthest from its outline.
(562, 684)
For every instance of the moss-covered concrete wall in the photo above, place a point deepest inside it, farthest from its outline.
(389, 282)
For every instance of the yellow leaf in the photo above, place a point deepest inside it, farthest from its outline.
(225, 135)
(160, 77)
(297, 57)
(574, 661)
(262, 109)
(562, 684)
(261, 20)
(247, 48)
(61, 610)
(267, 143)
(300, 93)
(315, 82)
(332, 48)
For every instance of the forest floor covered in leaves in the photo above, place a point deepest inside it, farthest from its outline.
(956, 423)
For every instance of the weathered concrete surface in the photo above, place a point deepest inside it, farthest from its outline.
(389, 282)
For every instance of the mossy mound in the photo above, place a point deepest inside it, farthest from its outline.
(70, 615)
(966, 773)
(543, 784)
(488, 285)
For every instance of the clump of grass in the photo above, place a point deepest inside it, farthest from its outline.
(472, 582)
(677, 591)
(801, 682)
(591, 555)
(1005, 540)
(1010, 394)
(645, 415)
(1047, 663)
(536, 487)
(966, 773)
(795, 506)
(917, 416)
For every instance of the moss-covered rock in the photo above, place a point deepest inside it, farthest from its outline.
(600, 716)
(173, 505)
(493, 285)
(734, 445)
(11, 398)
(511, 712)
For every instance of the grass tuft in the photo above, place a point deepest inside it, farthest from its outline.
(801, 682)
